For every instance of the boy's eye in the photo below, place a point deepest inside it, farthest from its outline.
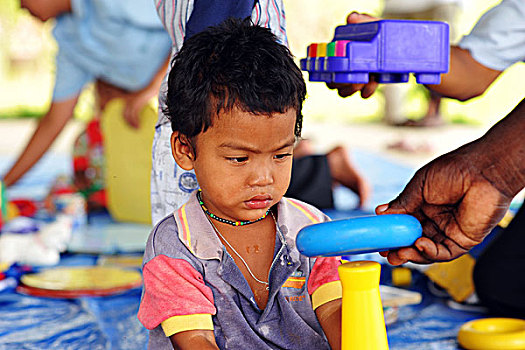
(237, 159)
(282, 156)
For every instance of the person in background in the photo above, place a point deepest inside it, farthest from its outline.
(461, 196)
(395, 94)
(223, 272)
(120, 44)
(183, 19)
(314, 176)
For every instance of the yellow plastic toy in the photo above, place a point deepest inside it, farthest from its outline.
(493, 334)
(363, 324)
(128, 162)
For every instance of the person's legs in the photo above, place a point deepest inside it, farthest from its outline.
(343, 171)
(324, 171)
(394, 96)
(395, 102)
(499, 274)
(432, 117)
(311, 181)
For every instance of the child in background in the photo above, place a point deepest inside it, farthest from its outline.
(223, 271)
(119, 43)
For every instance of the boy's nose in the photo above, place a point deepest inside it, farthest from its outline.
(262, 175)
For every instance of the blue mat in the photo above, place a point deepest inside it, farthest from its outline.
(111, 322)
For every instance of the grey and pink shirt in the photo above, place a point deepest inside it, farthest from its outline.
(191, 282)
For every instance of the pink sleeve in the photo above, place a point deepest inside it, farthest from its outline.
(172, 287)
(323, 271)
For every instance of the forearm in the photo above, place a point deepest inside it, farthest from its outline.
(501, 152)
(195, 339)
(329, 316)
(467, 78)
(47, 130)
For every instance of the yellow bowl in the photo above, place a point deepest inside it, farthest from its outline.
(493, 334)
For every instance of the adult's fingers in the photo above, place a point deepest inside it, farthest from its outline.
(404, 255)
(356, 17)
(369, 89)
(444, 251)
(345, 90)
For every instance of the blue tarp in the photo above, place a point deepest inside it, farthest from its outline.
(111, 323)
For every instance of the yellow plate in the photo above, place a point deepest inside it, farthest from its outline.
(82, 278)
(121, 261)
(493, 334)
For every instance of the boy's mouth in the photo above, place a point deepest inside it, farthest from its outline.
(259, 202)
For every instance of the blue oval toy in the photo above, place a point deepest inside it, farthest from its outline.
(358, 235)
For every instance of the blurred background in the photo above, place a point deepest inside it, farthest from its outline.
(26, 80)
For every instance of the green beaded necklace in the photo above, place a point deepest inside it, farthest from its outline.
(226, 221)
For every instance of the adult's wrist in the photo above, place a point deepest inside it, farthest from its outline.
(500, 153)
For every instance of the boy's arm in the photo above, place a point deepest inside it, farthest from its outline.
(195, 339)
(46, 132)
(325, 291)
(329, 316)
(176, 297)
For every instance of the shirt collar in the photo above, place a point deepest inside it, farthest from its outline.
(196, 232)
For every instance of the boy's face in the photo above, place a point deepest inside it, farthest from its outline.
(243, 162)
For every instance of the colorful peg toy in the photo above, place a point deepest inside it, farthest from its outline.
(389, 49)
(363, 326)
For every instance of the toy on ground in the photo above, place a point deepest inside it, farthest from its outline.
(493, 334)
(389, 49)
(127, 153)
(88, 166)
(25, 241)
(363, 322)
(75, 282)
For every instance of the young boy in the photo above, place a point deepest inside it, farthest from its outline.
(223, 270)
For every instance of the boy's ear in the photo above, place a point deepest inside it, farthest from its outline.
(182, 151)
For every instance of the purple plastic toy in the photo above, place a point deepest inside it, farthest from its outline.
(389, 49)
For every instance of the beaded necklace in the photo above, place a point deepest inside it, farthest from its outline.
(266, 284)
(226, 221)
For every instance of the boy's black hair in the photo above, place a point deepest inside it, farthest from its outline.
(234, 64)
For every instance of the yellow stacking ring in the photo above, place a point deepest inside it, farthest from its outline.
(493, 334)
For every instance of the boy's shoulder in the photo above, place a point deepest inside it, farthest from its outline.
(186, 233)
(163, 239)
(295, 212)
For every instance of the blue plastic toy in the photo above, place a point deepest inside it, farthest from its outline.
(358, 235)
(390, 49)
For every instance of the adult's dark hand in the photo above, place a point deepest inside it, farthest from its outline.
(460, 196)
(456, 205)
